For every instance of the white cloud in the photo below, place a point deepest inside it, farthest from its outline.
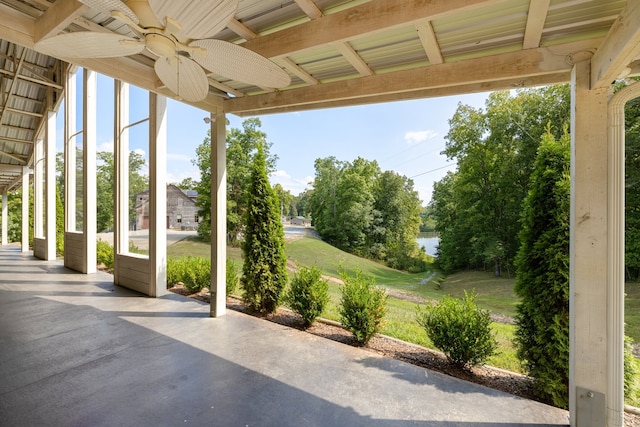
(141, 152)
(294, 185)
(106, 146)
(178, 157)
(416, 137)
(178, 176)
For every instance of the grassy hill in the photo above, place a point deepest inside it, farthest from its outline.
(409, 289)
(495, 294)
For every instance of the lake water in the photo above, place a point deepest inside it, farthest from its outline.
(429, 244)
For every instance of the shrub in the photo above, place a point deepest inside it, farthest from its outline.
(193, 272)
(196, 273)
(308, 294)
(362, 306)
(232, 276)
(460, 329)
(631, 375)
(104, 254)
(173, 272)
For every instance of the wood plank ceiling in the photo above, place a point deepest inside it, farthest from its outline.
(337, 52)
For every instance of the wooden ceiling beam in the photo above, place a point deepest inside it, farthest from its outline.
(620, 48)
(512, 66)
(242, 30)
(15, 140)
(354, 59)
(536, 17)
(16, 27)
(489, 86)
(57, 18)
(13, 169)
(358, 21)
(22, 160)
(310, 8)
(297, 70)
(430, 42)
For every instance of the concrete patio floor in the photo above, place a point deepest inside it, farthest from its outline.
(76, 350)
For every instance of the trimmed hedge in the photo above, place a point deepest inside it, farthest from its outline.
(460, 329)
(308, 294)
(362, 306)
(193, 272)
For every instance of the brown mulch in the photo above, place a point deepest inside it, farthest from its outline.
(495, 378)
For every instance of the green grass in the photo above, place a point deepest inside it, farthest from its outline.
(193, 246)
(493, 293)
(632, 311)
(330, 260)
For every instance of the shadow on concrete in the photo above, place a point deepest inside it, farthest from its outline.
(134, 376)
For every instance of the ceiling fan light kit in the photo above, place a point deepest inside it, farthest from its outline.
(179, 34)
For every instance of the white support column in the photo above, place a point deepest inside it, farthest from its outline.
(5, 218)
(38, 192)
(70, 152)
(50, 185)
(157, 195)
(588, 373)
(90, 88)
(121, 172)
(218, 304)
(615, 302)
(25, 209)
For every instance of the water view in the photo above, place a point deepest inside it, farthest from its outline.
(428, 243)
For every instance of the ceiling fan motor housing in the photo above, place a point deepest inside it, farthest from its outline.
(160, 45)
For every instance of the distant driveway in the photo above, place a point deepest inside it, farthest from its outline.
(140, 238)
(298, 231)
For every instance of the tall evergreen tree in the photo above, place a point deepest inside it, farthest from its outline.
(542, 273)
(264, 273)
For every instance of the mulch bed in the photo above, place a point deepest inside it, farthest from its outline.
(487, 376)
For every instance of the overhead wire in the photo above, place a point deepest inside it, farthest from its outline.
(432, 170)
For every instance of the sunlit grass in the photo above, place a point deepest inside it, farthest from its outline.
(495, 294)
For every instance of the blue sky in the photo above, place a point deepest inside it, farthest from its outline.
(406, 137)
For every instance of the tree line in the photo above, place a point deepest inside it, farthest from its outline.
(363, 210)
(354, 206)
(477, 209)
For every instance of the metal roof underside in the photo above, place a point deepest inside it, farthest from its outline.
(337, 52)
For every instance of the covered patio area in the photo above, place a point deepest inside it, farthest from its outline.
(78, 350)
(322, 54)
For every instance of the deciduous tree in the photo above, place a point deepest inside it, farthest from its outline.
(105, 186)
(242, 146)
(495, 150)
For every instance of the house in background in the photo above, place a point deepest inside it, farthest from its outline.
(300, 220)
(182, 212)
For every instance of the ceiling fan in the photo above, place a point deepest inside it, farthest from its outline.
(179, 34)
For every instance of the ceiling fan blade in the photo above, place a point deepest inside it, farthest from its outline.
(239, 63)
(184, 77)
(107, 6)
(88, 44)
(200, 19)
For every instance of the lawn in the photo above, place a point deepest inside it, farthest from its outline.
(400, 319)
(493, 293)
(632, 311)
